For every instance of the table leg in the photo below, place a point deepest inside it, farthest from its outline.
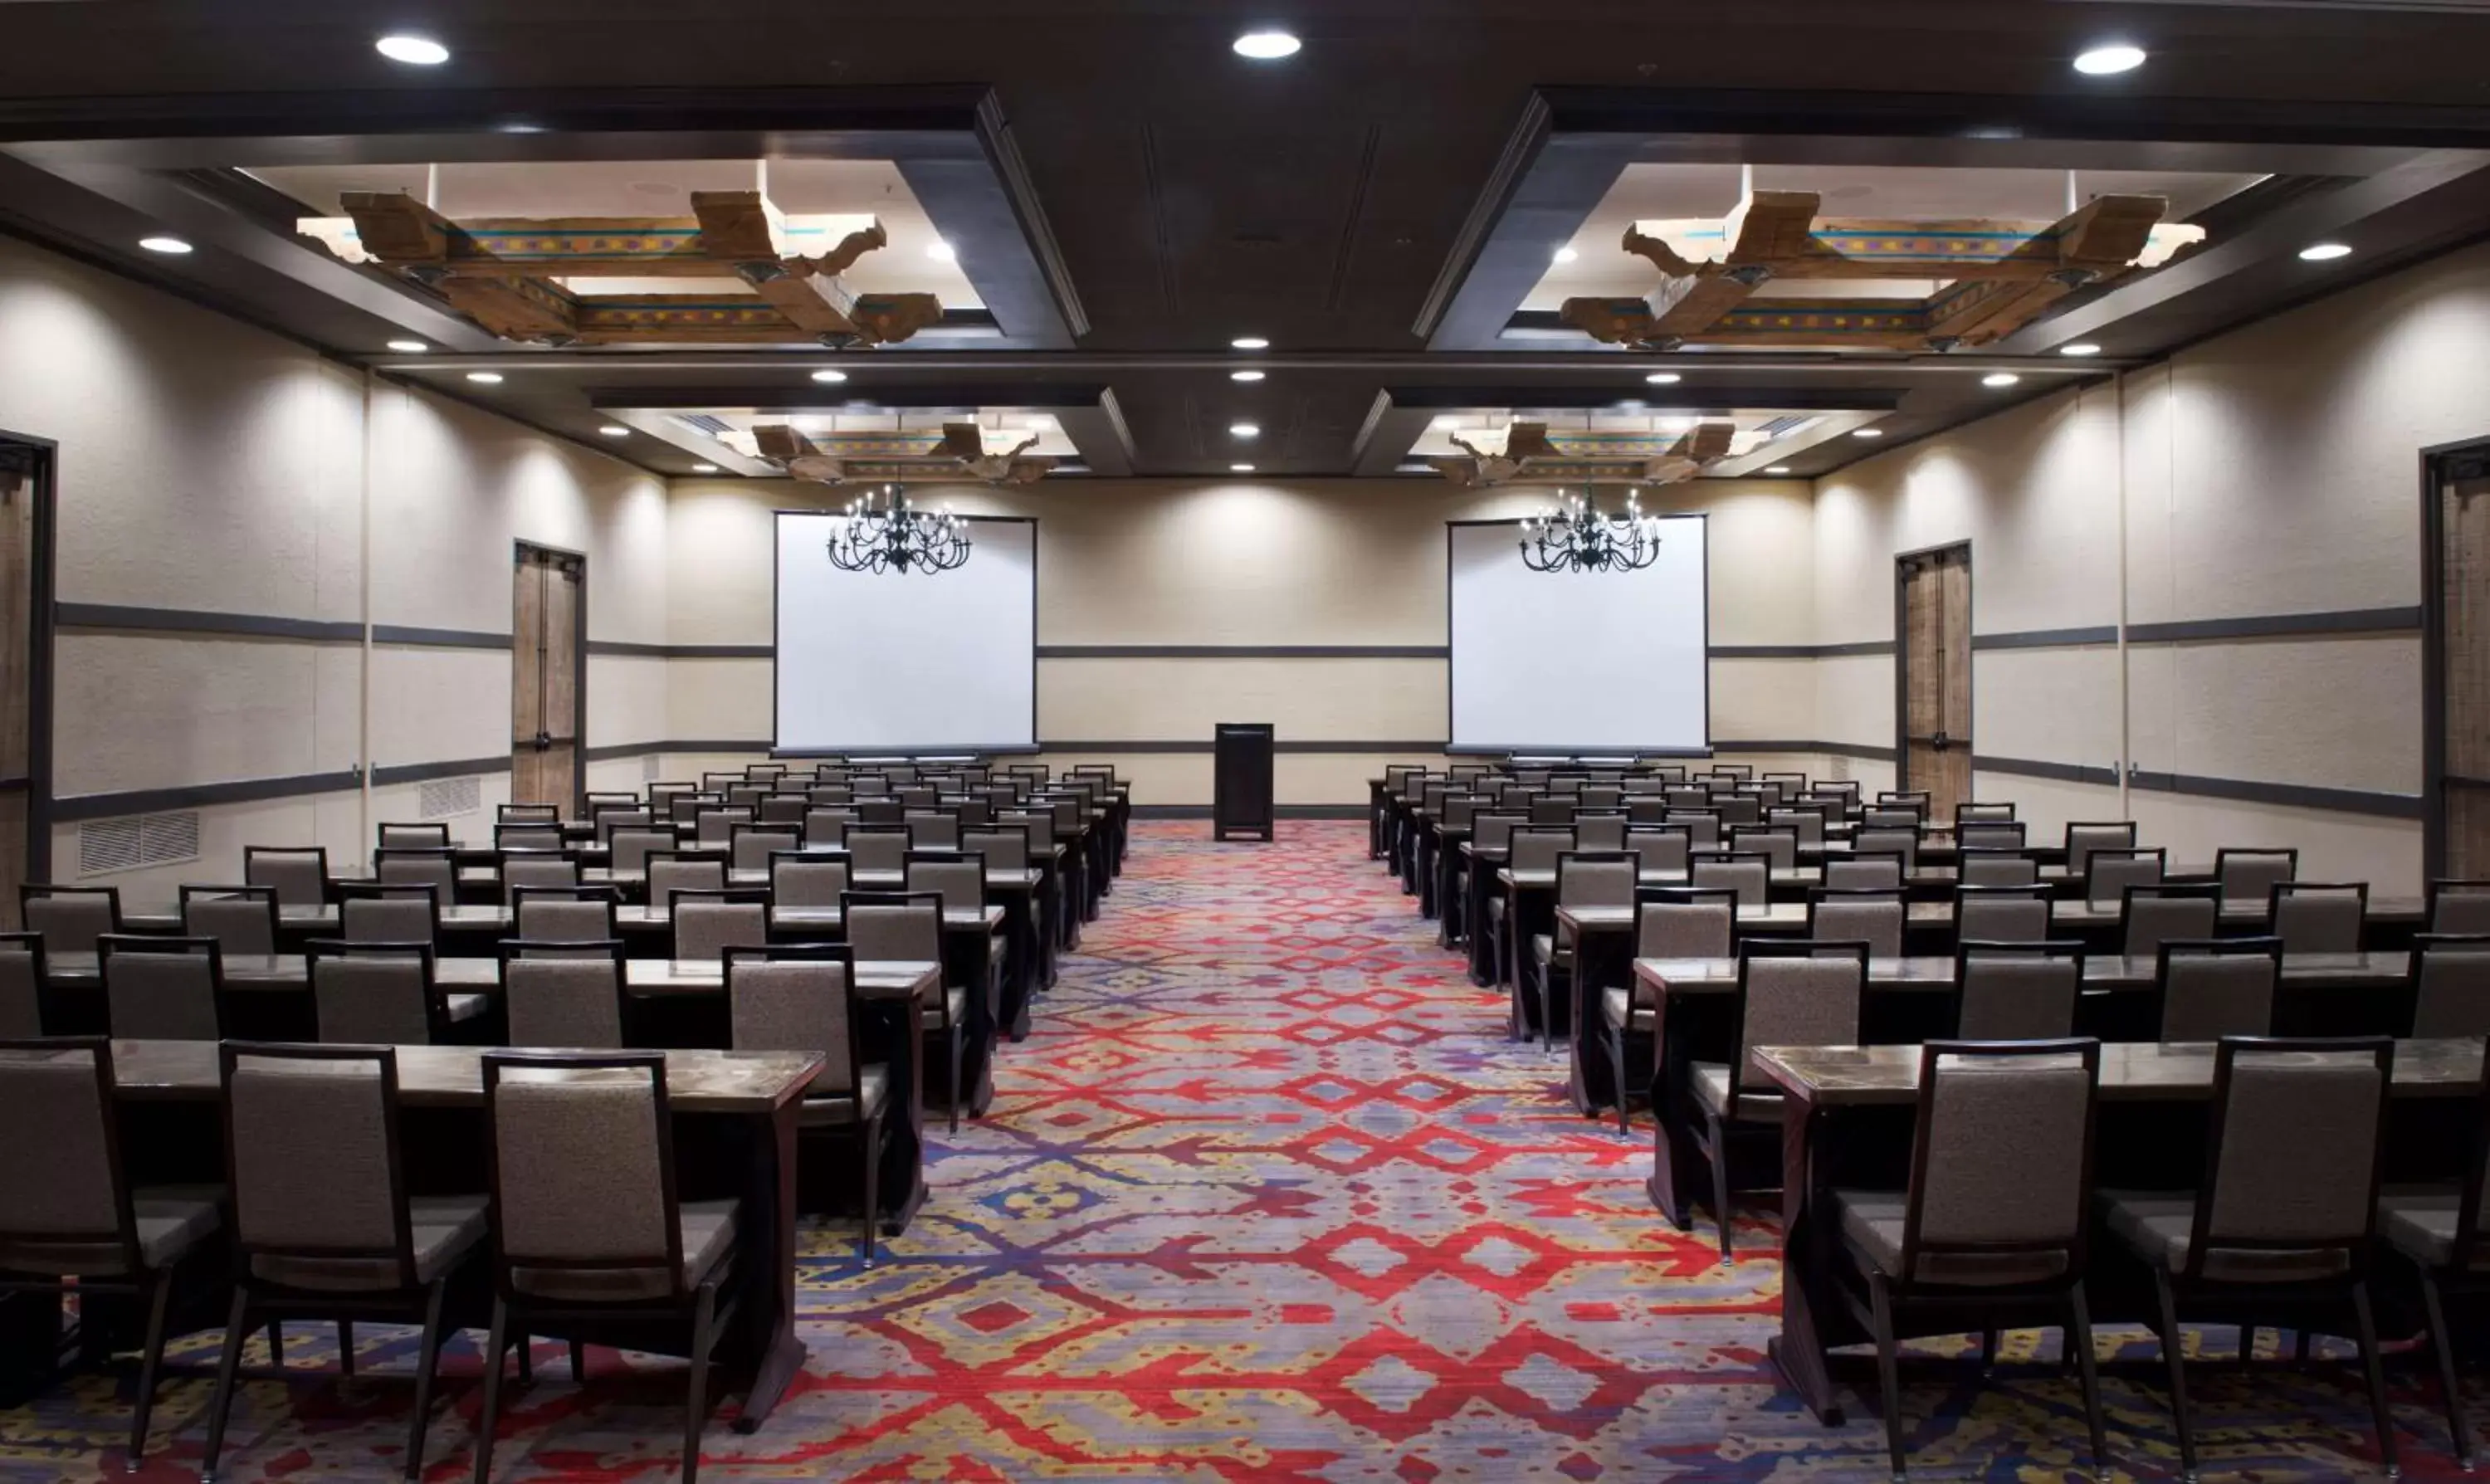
(1594, 965)
(1673, 1147)
(1020, 973)
(1798, 1351)
(903, 1152)
(772, 1299)
(1482, 958)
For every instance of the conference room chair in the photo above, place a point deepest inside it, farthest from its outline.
(1865, 871)
(1737, 810)
(70, 918)
(1990, 1233)
(564, 992)
(1977, 867)
(1968, 812)
(300, 873)
(715, 828)
(1647, 809)
(368, 912)
(706, 922)
(412, 836)
(1792, 785)
(878, 848)
(2001, 914)
(765, 772)
(2150, 915)
(2282, 1225)
(871, 786)
(2083, 837)
(1917, 800)
(588, 1224)
(162, 988)
(1669, 923)
(717, 782)
(752, 845)
(630, 848)
(971, 810)
(1006, 847)
(906, 927)
(663, 791)
(686, 808)
(242, 919)
(2448, 978)
(527, 814)
(1642, 785)
(21, 986)
(2110, 870)
(2437, 1232)
(881, 810)
(1551, 809)
(959, 881)
(535, 870)
(610, 799)
(673, 871)
(1692, 797)
(436, 868)
(569, 913)
(932, 828)
(799, 880)
(782, 809)
(1885, 816)
(2249, 876)
(1665, 850)
(1602, 796)
(528, 834)
(1888, 840)
(384, 994)
(827, 826)
(1872, 918)
(1807, 824)
(1989, 834)
(2460, 906)
(70, 1219)
(746, 796)
(804, 999)
(2214, 987)
(1059, 925)
(1703, 827)
(1567, 784)
(1734, 772)
(1749, 873)
(2017, 991)
(1600, 828)
(1789, 993)
(1776, 844)
(2313, 916)
(1585, 878)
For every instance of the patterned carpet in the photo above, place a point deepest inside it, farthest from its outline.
(1265, 1197)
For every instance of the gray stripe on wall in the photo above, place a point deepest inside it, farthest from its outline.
(622, 647)
(2032, 767)
(385, 773)
(2048, 638)
(2295, 796)
(1283, 811)
(1205, 745)
(1830, 748)
(1244, 652)
(198, 795)
(192, 620)
(2351, 621)
(1799, 651)
(438, 638)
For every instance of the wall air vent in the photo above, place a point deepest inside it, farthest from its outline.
(449, 797)
(137, 840)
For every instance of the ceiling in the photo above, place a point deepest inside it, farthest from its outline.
(1123, 195)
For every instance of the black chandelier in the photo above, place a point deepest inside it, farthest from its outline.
(1573, 536)
(894, 537)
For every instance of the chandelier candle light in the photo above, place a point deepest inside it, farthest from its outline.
(1573, 536)
(896, 538)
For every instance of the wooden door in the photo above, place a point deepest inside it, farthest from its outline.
(18, 493)
(1936, 678)
(2462, 492)
(544, 678)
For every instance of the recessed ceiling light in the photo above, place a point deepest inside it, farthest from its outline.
(1244, 376)
(1244, 430)
(1267, 45)
(941, 252)
(486, 378)
(1664, 378)
(413, 50)
(1249, 342)
(827, 377)
(167, 244)
(1866, 432)
(2080, 348)
(704, 468)
(2108, 58)
(2325, 252)
(1240, 468)
(1778, 468)
(615, 431)
(1566, 255)
(409, 347)
(2000, 379)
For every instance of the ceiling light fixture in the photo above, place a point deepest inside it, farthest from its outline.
(409, 347)
(1573, 536)
(2080, 348)
(1240, 468)
(1249, 342)
(486, 378)
(1866, 432)
(171, 246)
(1244, 376)
(413, 50)
(1664, 378)
(1244, 430)
(1566, 255)
(704, 468)
(1266, 45)
(2000, 379)
(828, 377)
(615, 431)
(1778, 469)
(2325, 252)
(2109, 59)
(896, 536)
(941, 251)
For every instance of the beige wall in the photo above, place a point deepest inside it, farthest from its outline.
(1238, 563)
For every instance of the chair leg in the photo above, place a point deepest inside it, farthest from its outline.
(704, 1315)
(496, 1342)
(150, 1363)
(2080, 1339)
(1617, 1074)
(2384, 1418)
(346, 1347)
(2300, 1348)
(578, 1361)
(276, 1347)
(1889, 1372)
(1987, 1351)
(1547, 1012)
(228, 1365)
(2169, 1311)
(427, 1360)
(872, 1188)
(527, 1359)
(2248, 1345)
(1716, 1145)
(959, 1094)
(2440, 1340)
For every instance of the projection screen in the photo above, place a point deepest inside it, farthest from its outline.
(1578, 663)
(907, 662)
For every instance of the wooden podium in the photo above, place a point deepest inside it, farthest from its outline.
(1240, 783)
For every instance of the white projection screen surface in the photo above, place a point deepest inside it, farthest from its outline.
(1578, 663)
(902, 662)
